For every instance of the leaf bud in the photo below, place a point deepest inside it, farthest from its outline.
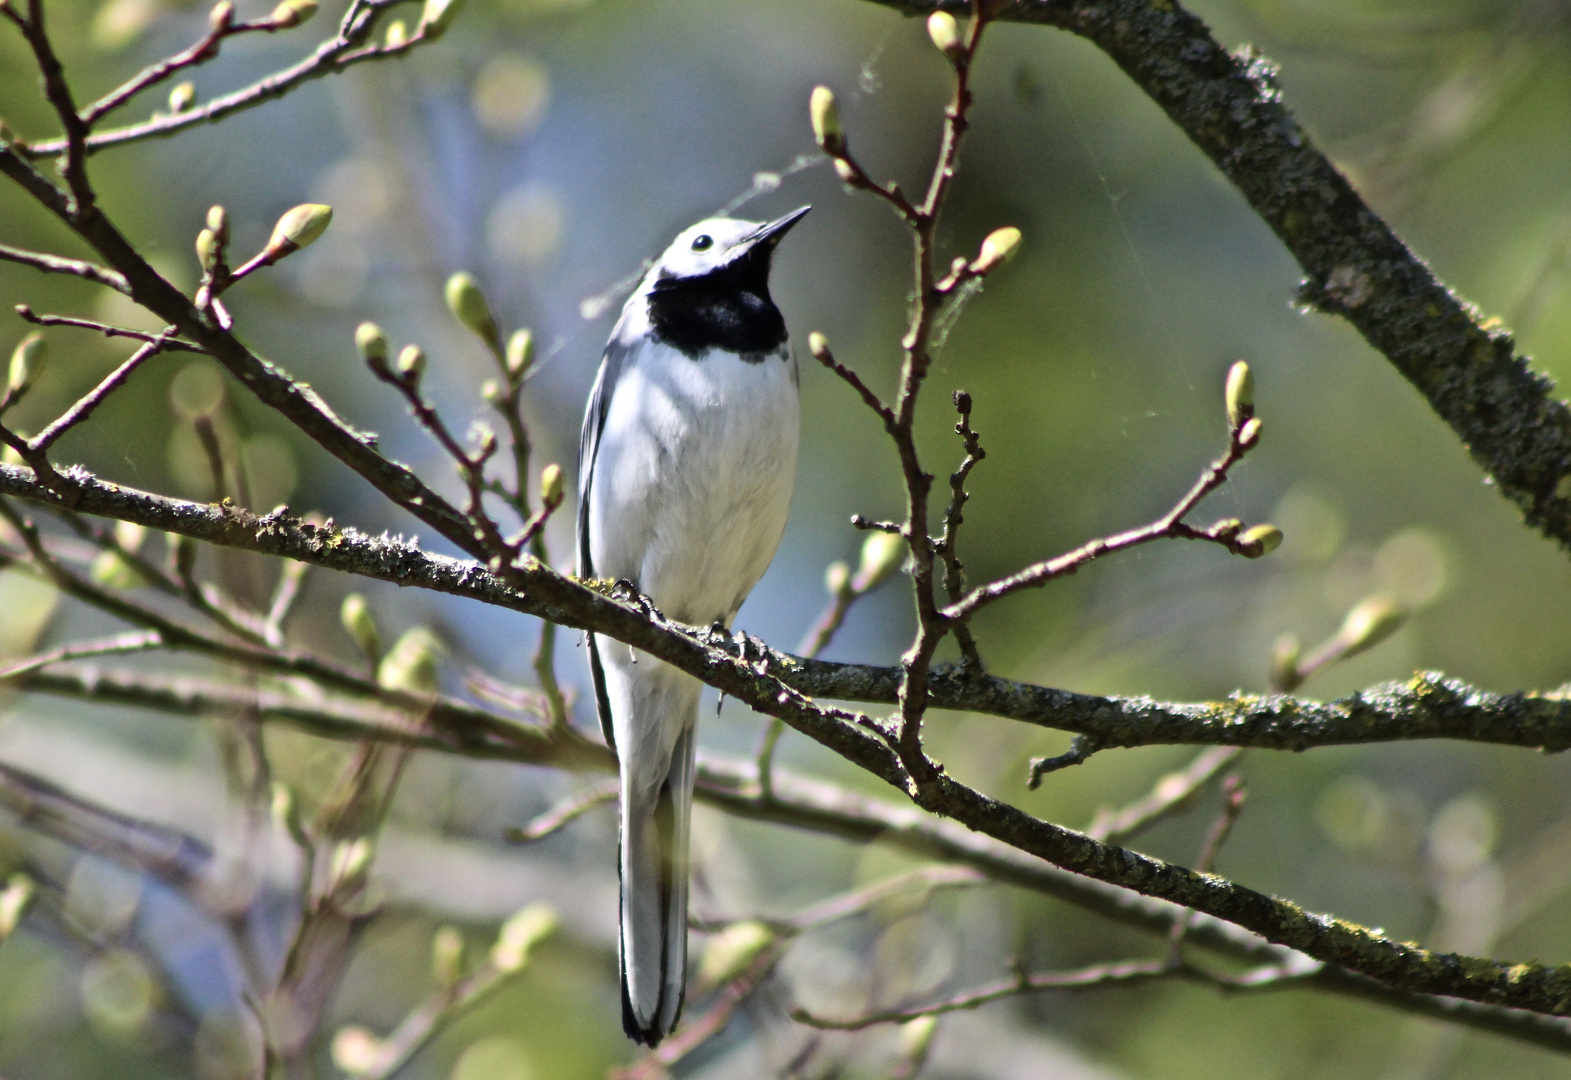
(520, 934)
(355, 615)
(520, 355)
(298, 228)
(882, 554)
(110, 570)
(410, 665)
(945, 32)
(1285, 676)
(411, 363)
(491, 392)
(1259, 540)
(837, 577)
(551, 490)
(218, 221)
(730, 952)
(916, 1037)
(207, 248)
(447, 955)
(129, 535)
(355, 1049)
(1369, 623)
(467, 303)
(28, 361)
(1240, 394)
(818, 345)
(222, 17)
(293, 13)
(438, 15)
(845, 171)
(397, 34)
(998, 248)
(181, 97)
(15, 899)
(349, 864)
(372, 344)
(1249, 434)
(825, 114)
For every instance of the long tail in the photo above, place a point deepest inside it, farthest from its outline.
(654, 872)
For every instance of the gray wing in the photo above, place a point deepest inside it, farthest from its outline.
(588, 448)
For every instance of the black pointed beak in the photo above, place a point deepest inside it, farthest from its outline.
(771, 234)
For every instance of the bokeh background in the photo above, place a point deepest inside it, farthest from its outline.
(550, 146)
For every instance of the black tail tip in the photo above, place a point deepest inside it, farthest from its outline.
(645, 1036)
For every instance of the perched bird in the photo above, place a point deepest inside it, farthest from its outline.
(685, 466)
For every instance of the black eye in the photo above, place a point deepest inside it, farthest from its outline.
(703, 243)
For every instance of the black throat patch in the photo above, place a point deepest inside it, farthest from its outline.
(726, 309)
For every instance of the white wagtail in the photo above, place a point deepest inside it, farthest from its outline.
(685, 466)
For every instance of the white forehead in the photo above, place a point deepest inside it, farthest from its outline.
(683, 260)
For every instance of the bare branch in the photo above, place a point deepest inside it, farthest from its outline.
(136, 641)
(1500, 408)
(55, 264)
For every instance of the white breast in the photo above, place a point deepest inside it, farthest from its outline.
(693, 477)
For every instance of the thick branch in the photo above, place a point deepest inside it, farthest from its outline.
(1428, 706)
(1228, 104)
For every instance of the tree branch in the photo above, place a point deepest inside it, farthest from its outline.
(1228, 104)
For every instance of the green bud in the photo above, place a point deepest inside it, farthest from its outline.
(520, 934)
(882, 554)
(356, 617)
(397, 34)
(1249, 434)
(1240, 395)
(467, 303)
(111, 570)
(916, 1037)
(350, 863)
(1259, 540)
(28, 361)
(447, 955)
(355, 1049)
(438, 15)
(293, 13)
(945, 32)
(837, 576)
(410, 665)
(218, 221)
(207, 248)
(222, 17)
(411, 363)
(129, 535)
(181, 97)
(372, 344)
(825, 114)
(491, 392)
(845, 171)
(285, 811)
(818, 345)
(1370, 623)
(299, 227)
(551, 485)
(998, 247)
(728, 953)
(1285, 654)
(15, 899)
(520, 355)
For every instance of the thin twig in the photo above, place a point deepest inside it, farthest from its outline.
(562, 814)
(133, 641)
(1170, 794)
(55, 264)
(90, 401)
